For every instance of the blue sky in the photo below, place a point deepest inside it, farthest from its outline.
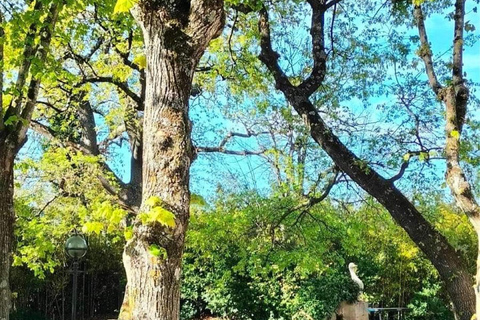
(232, 168)
(246, 172)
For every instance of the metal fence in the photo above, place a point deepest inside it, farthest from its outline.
(98, 293)
(387, 313)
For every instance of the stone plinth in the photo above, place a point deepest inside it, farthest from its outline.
(351, 311)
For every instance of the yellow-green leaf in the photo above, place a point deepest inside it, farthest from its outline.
(196, 199)
(140, 61)
(92, 227)
(143, 218)
(162, 216)
(17, 261)
(455, 134)
(423, 156)
(154, 201)
(157, 251)
(124, 5)
(406, 157)
(128, 233)
(154, 250)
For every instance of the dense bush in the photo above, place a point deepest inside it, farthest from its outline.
(247, 259)
(254, 257)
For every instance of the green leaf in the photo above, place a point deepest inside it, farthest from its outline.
(124, 5)
(469, 26)
(423, 156)
(154, 250)
(92, 227)
(143, 218)
(455, 134)
(17, 261)
(12, 120)
(128, 233)
(157, 251)
(196, 199)
(140, 61)
(162, 216)
(406, 157)
(154, 201)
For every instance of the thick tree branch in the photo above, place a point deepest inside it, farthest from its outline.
(125, 59)
(331, 3)
(28, 53)
(52, 106)
(42, 129)
(332, 42)
(424, 51)
(46, 33)
(455, 176)
(50, 134)
(231, 134)
(461, 90)
(268, 56)
(400, 173)
(228, 151)
(455, 98)
(459, 19)
(314, 200)
(322, 175)
(311, 84)
(405, 164)
(243, 8)
(222, 149)
(121, 85)
(201, 29)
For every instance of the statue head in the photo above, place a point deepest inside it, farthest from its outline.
(352, 266)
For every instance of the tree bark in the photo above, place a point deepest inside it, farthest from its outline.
(176, 35)
(154, 282)
(455, 100)
(7, 219)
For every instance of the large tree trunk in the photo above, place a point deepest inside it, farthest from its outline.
(7, 219)
(154, 282)
(175, 34)
(455, 99)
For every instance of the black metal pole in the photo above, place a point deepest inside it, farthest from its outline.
(74, 293)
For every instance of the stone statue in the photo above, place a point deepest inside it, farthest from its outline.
(357, 310)
(353, 273)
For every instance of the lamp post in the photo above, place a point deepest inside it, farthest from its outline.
(76, 248)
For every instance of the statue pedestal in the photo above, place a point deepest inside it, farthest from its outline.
(351, 311)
